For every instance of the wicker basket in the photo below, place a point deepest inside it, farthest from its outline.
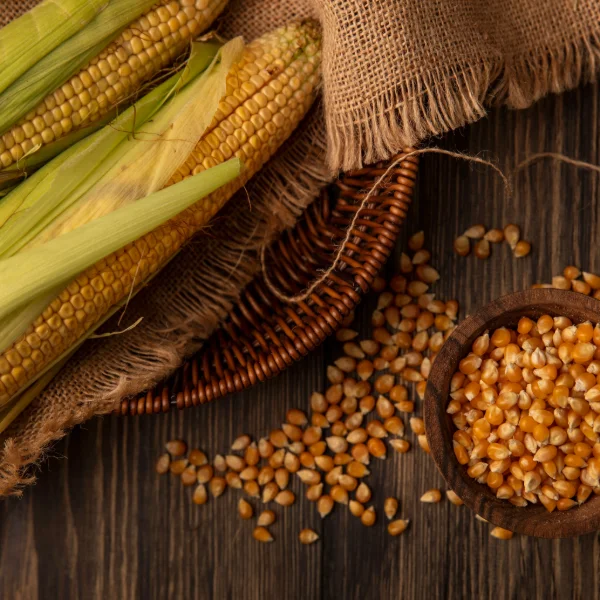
(263, 336)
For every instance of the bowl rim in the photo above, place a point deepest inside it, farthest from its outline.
(531, 520)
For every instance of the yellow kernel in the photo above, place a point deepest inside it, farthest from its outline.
(481, 344)
(477, 470)
(500, 337)
(512, 234)
(565, 504)
(525, 325)
(501, 534)
(470, 364)
(494, 415)
(494, 480)
(462, 245)
(505, 492)
(481, 429)
(431, 496)
(583, 352)
(581, 287)
(541, 432)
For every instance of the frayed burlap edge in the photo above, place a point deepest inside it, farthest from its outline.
(407, 114)
(18, 460)
(430, 105)
(532, 77)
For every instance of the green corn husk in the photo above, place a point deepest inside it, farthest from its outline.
(50, 191)
(64, 257)
(49, 71)
(26, 40)
(36, 213)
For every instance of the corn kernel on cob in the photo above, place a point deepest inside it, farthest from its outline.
(268, 92)
(148, 45)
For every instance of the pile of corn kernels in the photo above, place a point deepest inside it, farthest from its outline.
(526, 405)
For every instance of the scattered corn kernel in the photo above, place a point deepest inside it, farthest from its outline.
(397, 527)
(482, 249)
(501, 533)
(431, 496)
(512, 234)
(262, 534)
(462, 245)
(522, 249)
(308, 536)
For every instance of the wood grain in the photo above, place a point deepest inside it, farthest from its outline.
(101, 524)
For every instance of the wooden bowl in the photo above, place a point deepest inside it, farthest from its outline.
(532, 520)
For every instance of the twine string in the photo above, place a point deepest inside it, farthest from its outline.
(301, 297)
(561, 157)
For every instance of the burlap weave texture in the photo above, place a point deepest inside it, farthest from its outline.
(396, 71)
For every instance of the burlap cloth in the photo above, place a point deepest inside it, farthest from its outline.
(394, 72)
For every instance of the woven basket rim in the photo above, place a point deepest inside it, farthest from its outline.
(262, 336)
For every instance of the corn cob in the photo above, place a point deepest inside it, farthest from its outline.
(148, 45)
(268, 92)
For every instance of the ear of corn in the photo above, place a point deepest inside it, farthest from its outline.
(12, 410)
(44, 199)
(67, 255)
(12, 176)
(52, 70)
(85, 310)
(148, 45)
(268, 91)
(42, 208)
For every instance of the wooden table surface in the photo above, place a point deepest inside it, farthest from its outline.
(100, 523)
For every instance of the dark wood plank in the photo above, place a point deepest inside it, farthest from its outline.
(100, 523)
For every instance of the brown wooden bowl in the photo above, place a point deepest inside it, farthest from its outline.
(532, 520)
